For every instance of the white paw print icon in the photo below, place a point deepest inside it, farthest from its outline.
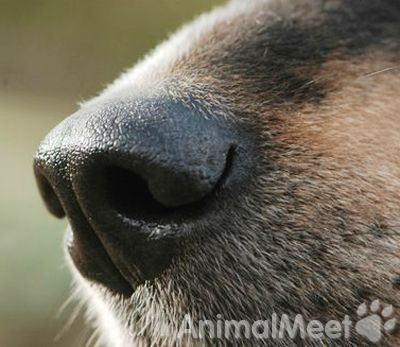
(374, 320)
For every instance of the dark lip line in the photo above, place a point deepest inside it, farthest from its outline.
(94, 276)
(112, 268)
(126, 280)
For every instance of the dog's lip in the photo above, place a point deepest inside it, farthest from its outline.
(101, 271)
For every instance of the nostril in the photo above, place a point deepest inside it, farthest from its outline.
(48, 194)
(128, 193)
(229, 160)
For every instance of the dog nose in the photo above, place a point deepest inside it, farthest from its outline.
(125, 172)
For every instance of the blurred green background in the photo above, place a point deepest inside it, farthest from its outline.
(54, 54)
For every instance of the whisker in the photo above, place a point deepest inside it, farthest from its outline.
(374, 73)
(93, 339)
(85, 336)
(98, 343)
(71, 298)
(72, 318)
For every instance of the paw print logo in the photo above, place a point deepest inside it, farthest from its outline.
(374, 320)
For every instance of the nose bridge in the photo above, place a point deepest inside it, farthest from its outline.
(137, 128)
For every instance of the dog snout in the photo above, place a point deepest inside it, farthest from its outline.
(127, 172)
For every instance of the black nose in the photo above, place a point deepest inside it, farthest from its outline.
(130, 176)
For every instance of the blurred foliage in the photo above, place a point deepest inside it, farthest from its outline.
(55, 53)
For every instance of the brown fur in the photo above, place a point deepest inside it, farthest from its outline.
(317, 231)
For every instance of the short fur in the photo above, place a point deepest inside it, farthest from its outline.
(317, 231)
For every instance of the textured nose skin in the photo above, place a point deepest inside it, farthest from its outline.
(125, 166)
(180, 155)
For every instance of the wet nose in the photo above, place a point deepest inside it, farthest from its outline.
(123, 173)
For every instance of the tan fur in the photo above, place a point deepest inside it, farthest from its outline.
(318, 233)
